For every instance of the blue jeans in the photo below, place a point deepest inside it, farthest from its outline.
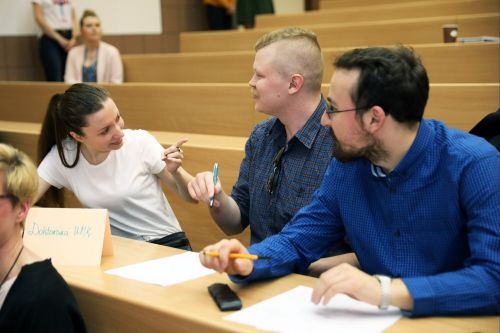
(53, 57)
(218, 18)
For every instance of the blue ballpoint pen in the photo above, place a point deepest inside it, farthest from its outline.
(216, 173)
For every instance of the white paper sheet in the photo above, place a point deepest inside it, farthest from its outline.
(293, 312)
(165, 271)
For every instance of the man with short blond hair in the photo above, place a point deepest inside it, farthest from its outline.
(287, 154)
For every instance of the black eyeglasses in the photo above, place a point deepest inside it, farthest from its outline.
(273, 177)
(330, 110)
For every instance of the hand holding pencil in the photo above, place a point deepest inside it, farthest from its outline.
(228, 256)
(236, 255)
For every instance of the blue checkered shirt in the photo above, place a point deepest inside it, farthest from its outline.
(434, 221)
(303, 164)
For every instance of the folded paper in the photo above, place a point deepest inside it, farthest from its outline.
(69, 236)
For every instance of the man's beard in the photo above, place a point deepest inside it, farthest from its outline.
(373, 151)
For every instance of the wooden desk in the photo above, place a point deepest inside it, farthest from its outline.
(368, 33)
(357, 12)
(113, 304)
(478, 63)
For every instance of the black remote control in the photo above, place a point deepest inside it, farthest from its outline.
(224, 297)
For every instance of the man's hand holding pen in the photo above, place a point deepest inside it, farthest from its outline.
(202, 188)
(223, 262)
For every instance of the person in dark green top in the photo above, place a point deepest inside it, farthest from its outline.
(247, 9)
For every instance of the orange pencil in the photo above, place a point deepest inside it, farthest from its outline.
(237, 255)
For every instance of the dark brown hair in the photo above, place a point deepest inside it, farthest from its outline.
(66, 113)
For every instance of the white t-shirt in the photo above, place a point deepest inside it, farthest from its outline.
(125, 183)
(57, 13)
(5, 288)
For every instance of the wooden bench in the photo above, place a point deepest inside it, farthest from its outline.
(221, 109)
(448, 63)
(394, 10)
(218, 109)
(382, 32)
(459, 105)
(338, 4)
(206, 67)
(451, 62)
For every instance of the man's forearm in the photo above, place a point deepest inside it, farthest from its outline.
(227, 215)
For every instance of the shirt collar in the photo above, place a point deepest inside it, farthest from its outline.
(422, 142)
(410, 161)
(377, 171)
(307, 134)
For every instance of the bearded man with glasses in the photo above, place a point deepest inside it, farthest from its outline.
(418, 201)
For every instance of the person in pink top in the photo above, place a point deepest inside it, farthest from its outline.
(94, 60)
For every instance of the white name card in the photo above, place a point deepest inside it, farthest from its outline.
(70, 236)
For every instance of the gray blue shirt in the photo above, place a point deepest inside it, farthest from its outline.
(301, 168)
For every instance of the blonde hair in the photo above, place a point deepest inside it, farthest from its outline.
(299, 53)
(20, 175)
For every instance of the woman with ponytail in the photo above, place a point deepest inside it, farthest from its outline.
(84, 148)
